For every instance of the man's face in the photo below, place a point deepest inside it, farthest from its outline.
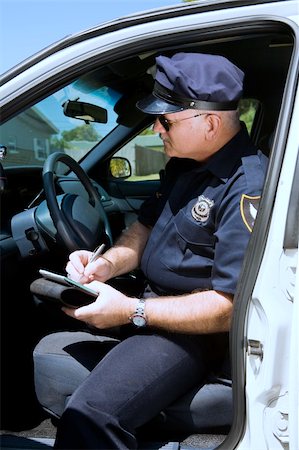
(183, 134)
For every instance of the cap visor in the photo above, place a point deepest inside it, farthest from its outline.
(154, 105)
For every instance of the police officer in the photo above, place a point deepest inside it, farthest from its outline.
(189, 241)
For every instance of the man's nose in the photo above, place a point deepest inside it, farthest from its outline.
(158, 127)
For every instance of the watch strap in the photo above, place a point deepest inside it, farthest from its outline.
(140, 307)
(138, 318)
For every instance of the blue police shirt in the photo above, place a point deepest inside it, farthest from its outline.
(202, 218)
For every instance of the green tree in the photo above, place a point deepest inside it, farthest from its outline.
(247, 109)
(81, 133)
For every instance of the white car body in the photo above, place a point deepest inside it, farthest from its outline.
(264, 337)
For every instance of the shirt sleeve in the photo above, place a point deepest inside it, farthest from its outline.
(235, 218)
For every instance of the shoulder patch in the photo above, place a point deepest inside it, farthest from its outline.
(249, 206)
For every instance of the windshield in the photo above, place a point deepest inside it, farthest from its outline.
(44, 128)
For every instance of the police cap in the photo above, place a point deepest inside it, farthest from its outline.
(194, 81)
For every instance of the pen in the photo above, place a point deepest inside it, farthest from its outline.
(97, 252)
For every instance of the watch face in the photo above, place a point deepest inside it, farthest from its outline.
(139, 321)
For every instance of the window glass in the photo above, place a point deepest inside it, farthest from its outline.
(146, 155)
(248, 108)
(44, 128)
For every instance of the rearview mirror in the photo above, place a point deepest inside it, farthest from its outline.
(120, 168)
(84, 111)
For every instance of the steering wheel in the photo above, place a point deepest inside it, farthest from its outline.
(80, 223)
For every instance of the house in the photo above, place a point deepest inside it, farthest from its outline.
(33, 143)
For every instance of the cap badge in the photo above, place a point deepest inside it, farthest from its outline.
(249, 206)
(201, 210)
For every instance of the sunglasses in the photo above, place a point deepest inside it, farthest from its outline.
(166, 123)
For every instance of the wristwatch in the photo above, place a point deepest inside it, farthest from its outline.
(138, 317)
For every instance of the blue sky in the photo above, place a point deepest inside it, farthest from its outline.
(28, 26)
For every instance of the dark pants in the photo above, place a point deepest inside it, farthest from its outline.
(131, 385)
(136, 380)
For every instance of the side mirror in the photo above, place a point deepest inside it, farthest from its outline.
(84, 111)
(120, 168)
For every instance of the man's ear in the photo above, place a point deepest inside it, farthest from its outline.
(213, 126)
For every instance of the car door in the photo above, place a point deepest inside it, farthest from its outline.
(265, 325)
(272, 392)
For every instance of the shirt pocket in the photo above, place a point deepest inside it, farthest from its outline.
(192, 252)
(194, 235)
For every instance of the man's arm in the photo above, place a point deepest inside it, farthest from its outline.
(197, 313)
(126, 253)
(123, 257)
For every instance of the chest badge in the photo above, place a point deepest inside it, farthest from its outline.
(201, 210)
